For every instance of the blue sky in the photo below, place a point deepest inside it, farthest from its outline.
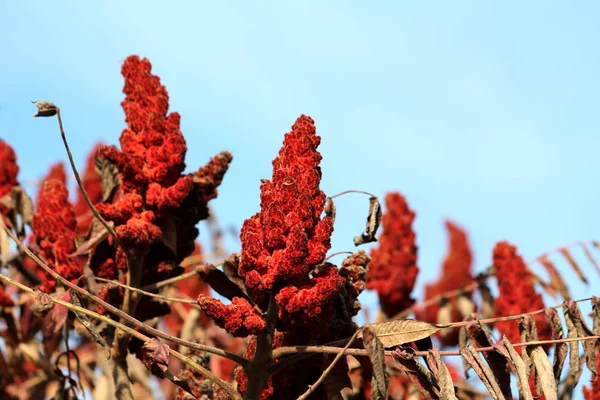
(484, 113)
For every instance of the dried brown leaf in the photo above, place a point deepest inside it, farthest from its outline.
(561, 349)
(574, 364)
(556, 279)
(85, 321)
(155, 356)
(376, 351)
(329, 208)
(24, 206)
(520, 370)
(96, 235)
(230, 268)
(596, 311)
(462, 343)
(487, 301)
(397, 332)
(481, 336)
(220, 283)
(108, 177)
(442, 375)
(566, 253)
(419, 376)
(544, 377)
(42, 302)
(590, 257)
(589, 346)
(483, 371)
(373, 221)
(45, 108)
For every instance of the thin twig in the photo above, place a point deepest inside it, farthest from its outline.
(204, 372)
(363, 352)
(143, 292)
(113, 310)
(87, 199)
(281, 351)
(176, 279)
(313, 387)
(352, 191)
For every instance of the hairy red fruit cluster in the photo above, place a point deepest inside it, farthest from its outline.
(55, 231)
(393, 269)
(287, 238)
(8, 171)
(516, 293)
(150, 161)
(239, 318)
(456, 273)
(311, 301)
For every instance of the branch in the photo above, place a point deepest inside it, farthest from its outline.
(143, 292)
(362, 352)
(179, 278)
(204, 372)
(115, 311)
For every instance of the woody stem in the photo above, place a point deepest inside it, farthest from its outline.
(257, 370)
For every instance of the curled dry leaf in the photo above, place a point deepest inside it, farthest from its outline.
(487, 301)
(589, 346)
(574, 363)
(556, 279)
(544, 376)
(230, 268)
(442, 375)
(42, 302)
(590, 257)
(108, 177)
(419, 376)
(596, 312)
(376, 351)
(519, 368)
(483, 371)
(329, 208)
(462, 343)
(220, 283)
(481, 336)
(96, 235)
(156, 357)
(561, 349)
(45, 108)
(401, 331)
(373, 221)
(566, 253)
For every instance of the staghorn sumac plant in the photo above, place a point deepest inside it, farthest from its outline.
(113, 293)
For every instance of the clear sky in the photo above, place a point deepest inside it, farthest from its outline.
(484, 113)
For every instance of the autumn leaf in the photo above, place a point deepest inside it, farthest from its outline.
(373, 222)
(397, 332)
(375, 349)
(156, 357)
